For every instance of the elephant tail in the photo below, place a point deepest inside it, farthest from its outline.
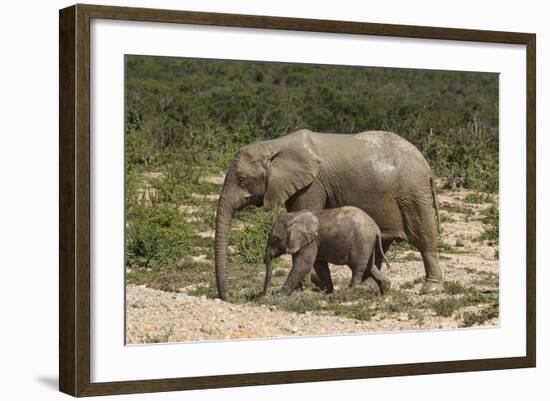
(382, 250)
(436, 207)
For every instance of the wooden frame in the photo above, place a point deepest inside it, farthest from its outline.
(74, 200)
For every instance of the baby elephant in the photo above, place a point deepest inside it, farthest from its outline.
(342, 236)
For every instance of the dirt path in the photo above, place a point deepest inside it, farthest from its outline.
(155, 316)
(158, 316)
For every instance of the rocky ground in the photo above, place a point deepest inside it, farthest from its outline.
(168, 312)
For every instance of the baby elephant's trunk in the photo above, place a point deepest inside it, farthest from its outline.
(382, 250)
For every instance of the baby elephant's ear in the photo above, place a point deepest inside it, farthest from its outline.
(302, 230)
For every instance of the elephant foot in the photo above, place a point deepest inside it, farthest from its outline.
(433, 287)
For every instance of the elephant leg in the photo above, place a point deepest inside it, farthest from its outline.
(358, 272)
(302, 263)
(360, 266)
(421, 229)
(323, 274)
(360, 258)
(314, 278)
(383, 282)
(307, 201)
(296, 277)
(434, 277)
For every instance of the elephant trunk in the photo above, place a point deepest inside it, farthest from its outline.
(224, 216)
(268, 270)
(231, 200)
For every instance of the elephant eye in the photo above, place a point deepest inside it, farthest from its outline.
(241, 180)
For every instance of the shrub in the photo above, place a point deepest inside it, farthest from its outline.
(202, 111)
(251, 240)
(487, 313)
(474, 297)
(358, 293)
(358, 311)
(398, 301)
(157, 235)
(446, 307)
(397, 248)
(491, 219)
(477, 198)
(298, 301)
(453, 287)
(176, 184)
(453, 208)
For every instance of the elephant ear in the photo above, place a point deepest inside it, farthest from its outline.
(291, 168)
(302, 230)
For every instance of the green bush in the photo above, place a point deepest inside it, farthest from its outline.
(454, 208)
(491, 219)
(359, 311)
(202, 111)
(487, 313)
(453, 287)
(177, 183)
(446, 306)
(298, 301)
(156, 235)
(252, 238)
(398, 301)
(474, 297)
(477, 198)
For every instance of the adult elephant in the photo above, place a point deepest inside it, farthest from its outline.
(376, 171)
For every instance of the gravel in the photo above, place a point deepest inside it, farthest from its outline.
(155, 316)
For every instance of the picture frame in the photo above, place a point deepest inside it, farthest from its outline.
(76, 200)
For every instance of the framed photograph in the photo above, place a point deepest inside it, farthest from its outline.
(250, 200)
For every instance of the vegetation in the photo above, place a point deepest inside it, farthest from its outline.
(163, 338)
(486, 279)
(478, 198)
(442, 246)
(453, 287)
(488, 312)
(446, 218)
(157, 234)
(446, 306)
(201, 111)
(453, 208)
(251, 240)
(491, 219)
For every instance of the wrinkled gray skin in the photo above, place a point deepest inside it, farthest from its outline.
(342, 236)
(378, 172)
